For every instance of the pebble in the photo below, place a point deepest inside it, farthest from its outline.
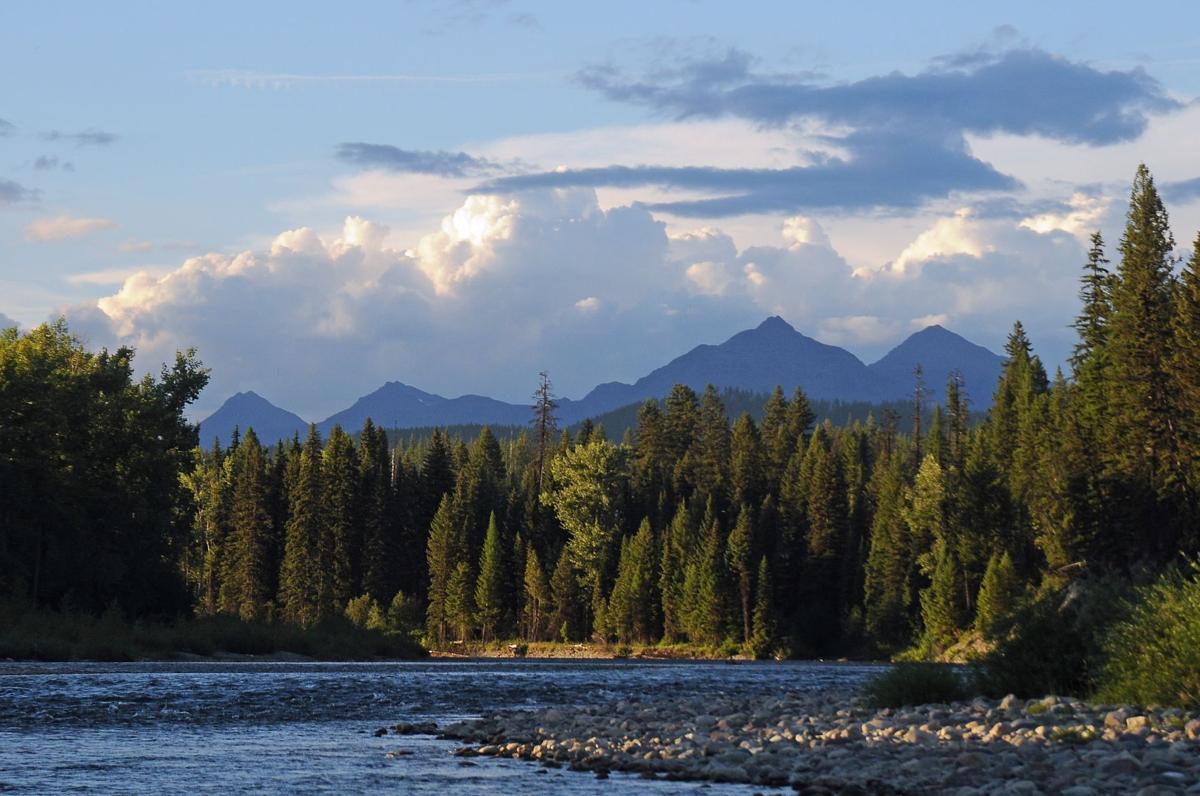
(832, 742)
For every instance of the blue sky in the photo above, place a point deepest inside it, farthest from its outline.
(588, 189)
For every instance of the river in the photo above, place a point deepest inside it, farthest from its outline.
(309, 727)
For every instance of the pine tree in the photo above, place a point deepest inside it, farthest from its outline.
(1185, 366)
(251, 531)
(762, 633)
(1144, 446)
(942, 610)
(341, 542)
(677, 544)
(301, 576)
(545, 427)
(489, 592)
(1090, 357)
(747, 466)
(378, 547)
(739, 557)
(711, 448)
(445, 549)
(999, 596)
(537, 596)
(631, 604)
(704, 586)
(564, 590)
(887, 580)
(460, 607)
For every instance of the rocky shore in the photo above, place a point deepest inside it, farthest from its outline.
(833, 743)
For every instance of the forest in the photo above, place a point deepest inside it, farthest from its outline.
(916, 536)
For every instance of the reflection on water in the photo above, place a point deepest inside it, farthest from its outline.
(135, 728)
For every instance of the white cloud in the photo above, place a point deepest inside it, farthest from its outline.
(505, 286)
(1081, 220)
(112, 276)
(43, 230)
(947, 237)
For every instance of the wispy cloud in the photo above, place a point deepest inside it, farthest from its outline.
(238, 78)
(12, 193)
(45, 230)
(6, 128)
(113, 276)
(412, 161)
(84, 138)
(52, 162)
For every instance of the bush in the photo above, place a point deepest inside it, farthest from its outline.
(1152, 656)
(917, 684)
(1054, 644)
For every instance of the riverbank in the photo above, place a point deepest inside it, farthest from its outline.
(584, 651)
(39, 635)
(831, 742)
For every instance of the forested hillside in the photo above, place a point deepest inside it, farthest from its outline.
(775, 535)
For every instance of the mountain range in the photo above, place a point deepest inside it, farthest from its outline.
(755, 360)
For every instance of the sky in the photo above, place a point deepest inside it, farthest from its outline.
(456, 195)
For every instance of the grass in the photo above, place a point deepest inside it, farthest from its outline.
(917, 684)
(55, 636)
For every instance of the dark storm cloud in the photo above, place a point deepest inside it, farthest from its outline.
(411, 161)
(907, 141)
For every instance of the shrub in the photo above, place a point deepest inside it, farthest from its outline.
(1054, 645)
(916, 684)
(1152, 656)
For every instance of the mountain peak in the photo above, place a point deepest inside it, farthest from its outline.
(776, 325)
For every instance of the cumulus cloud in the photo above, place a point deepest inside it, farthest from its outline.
(508, 285)
(84, 138)
(903, 137)
(56, 228)
(411, 161)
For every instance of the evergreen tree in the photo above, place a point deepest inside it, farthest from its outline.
(762, 633)
(1185, 366)
(251, 531)
(739, 557)
(537, 596)
(460, 607)
(445, 549)
(747, 468)
(564, 591)
(301, 576)
(999, 596)
(631, 613)
(677, 544)
(341, 543)
(1144, 444)
(887, 585)
(489, 591)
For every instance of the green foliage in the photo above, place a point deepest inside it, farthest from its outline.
(1055, 644)
(762, 633)
(586, 497)
(92, 506)
(631, 606)
(1152, 655)
(999, 597)
(489, 591)
(917, 684)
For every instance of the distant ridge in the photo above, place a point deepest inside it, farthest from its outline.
(754, 360)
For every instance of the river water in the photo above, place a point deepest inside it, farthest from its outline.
(309, 727)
